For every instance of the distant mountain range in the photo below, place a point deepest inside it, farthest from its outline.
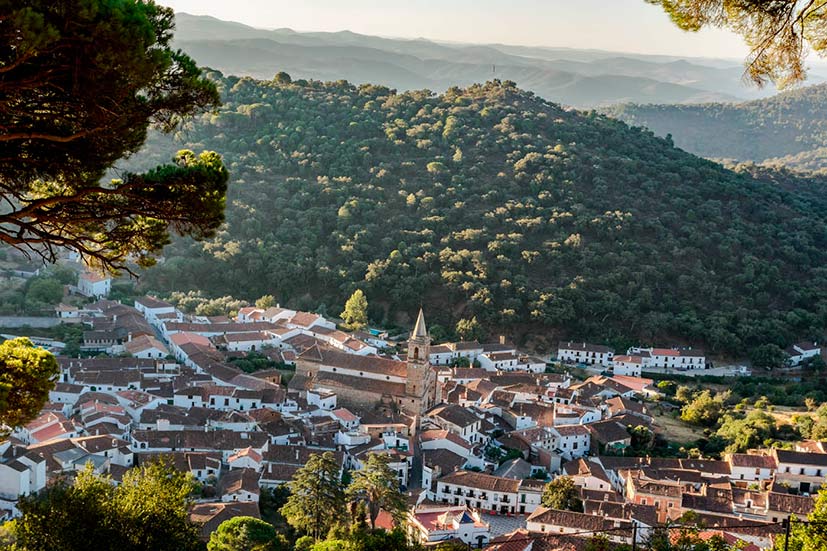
(787, 129)
(579, 78)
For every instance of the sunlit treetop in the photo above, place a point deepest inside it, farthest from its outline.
(778, 32)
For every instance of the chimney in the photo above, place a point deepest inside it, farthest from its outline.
(297, 454)
(502, 339)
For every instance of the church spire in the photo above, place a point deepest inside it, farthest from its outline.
(419, 329)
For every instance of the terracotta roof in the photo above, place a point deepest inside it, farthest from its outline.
(481, 481)
(453, 414)
(144, 342)
(334, 380)
(211, 515)
(343, 360)
(239, 480)
(584, 347)
(788, 503)
(304, 319)
(153, 303)
(580, 521)
(801, 458)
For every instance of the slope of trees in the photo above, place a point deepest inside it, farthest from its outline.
(787, 129)
(491, 203)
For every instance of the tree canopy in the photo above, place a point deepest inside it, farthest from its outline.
(246, 534)
(148, 510)
(376, 485)
(778, 33)
(317, 500)
(561, 493)
(27, 374)
(355, 314)
(551, 223)
(81, 82)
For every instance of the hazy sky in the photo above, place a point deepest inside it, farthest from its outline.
(621, 25)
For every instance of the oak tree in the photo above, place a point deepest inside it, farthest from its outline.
(148, 510)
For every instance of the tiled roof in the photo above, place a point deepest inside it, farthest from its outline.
(481, 481)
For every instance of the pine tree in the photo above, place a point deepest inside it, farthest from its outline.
(246, 534)
(377, 486)
(355, 314)
(317, 500)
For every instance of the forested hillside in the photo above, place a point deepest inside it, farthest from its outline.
(491, 202)
(788, 129)
(582, 78)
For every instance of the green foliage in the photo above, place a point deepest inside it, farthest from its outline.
(777, 33)
(703, 410)
(561, 493)
(266, 301)
(317, 500)
(809, 537)
(246, 534)
(82, 84)
(643, 439)
(43, 292)
(554, 220)
(27, 374)
(148, 510)
(470, 329)
(743, 433)
(255, 361)
(376, 485)
(767, 356)
(196, 303)
(355, 314)
(786, 130)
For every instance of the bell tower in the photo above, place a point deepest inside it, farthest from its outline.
(418, 369)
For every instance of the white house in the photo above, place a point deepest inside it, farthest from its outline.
(585, 353)
(146, 346)
(95, 285)
(248, 458)
(750, 468)
(672, 358)
(240, 485)
(485, 492)
(801, 352)
(572, 440)
(323, 399)
(21, 472)
(631, 366)
(435, 524)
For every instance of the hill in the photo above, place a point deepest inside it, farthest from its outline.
(581, 78)
(787, 129)
(492, 202)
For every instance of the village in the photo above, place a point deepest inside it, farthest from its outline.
(473, 430)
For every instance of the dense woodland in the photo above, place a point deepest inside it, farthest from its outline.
(788, 129)
(492, 202)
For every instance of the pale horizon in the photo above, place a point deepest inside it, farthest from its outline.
(624, 26)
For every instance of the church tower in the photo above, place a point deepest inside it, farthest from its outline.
(418, 371)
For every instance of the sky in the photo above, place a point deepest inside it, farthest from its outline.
(619, 25)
